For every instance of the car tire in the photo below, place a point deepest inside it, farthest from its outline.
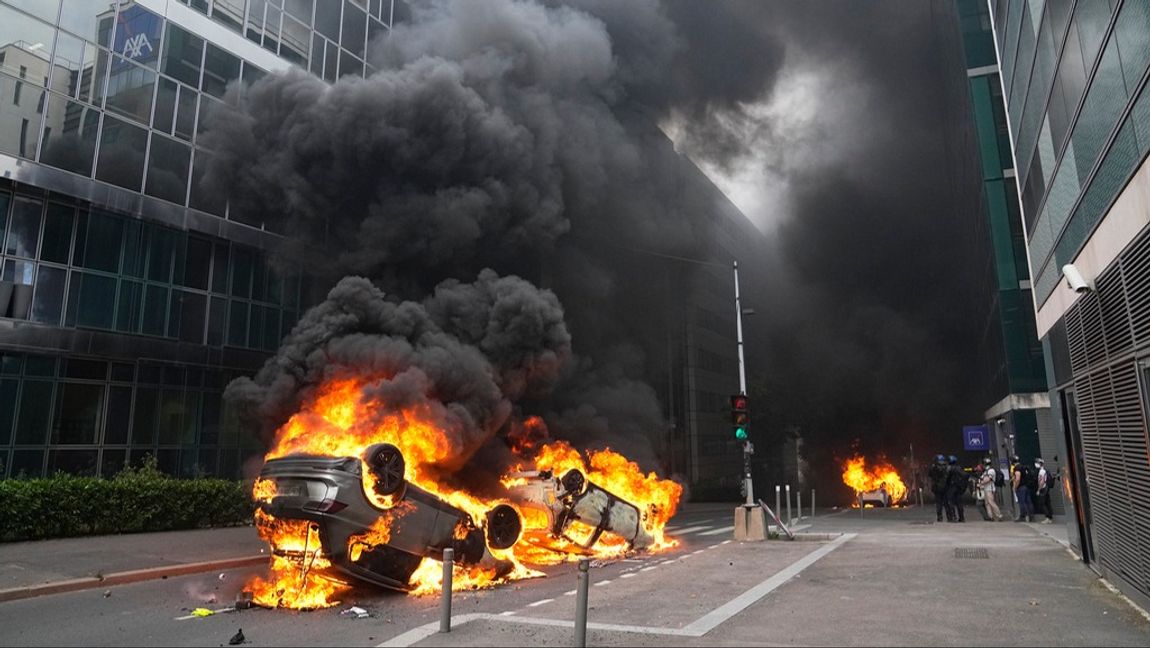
(503, 527)
(386, 463)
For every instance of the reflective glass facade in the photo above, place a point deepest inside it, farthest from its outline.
(129, 294)
(1074, 74)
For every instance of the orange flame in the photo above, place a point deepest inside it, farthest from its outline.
(882, 475)
(338, 422)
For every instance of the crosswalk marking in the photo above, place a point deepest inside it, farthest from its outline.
(726, 529)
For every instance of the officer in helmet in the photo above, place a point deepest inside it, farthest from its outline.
(956, 485)
(938, 476)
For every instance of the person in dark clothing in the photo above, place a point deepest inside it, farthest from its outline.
(1021, 479)
(938, 487)
(956, 484)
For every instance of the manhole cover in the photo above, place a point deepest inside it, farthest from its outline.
(971, 552)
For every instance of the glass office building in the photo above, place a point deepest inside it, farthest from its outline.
(1074, 76)
(129, 295)
(1017, 405)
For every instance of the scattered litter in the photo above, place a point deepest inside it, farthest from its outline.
(355, 613)
(238, 638)
(202, 612)
(1033, 602)
(223, 576)
(599, 563)
(107, 593)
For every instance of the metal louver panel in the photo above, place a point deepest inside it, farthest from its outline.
(1115, 317)
(1135, 265)
(1091, 312)
(1075, 340)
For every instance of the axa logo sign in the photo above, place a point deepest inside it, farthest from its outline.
(137, 46)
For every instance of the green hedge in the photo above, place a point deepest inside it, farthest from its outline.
(137, 500)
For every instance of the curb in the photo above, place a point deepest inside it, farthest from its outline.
(126, 577)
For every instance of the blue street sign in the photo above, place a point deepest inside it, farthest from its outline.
(975, 437)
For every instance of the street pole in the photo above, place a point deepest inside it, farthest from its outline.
(749, 486)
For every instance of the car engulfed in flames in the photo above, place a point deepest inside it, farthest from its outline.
(878, 485)
(343, 504)
(377, 529)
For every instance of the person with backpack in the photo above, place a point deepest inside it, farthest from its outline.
(937, 476)
(1021, 480)
(956, 485)
(1044, 481)
(986, 483)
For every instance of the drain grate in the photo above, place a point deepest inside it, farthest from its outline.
(971, 552)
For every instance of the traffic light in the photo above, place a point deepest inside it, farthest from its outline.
(739, 416)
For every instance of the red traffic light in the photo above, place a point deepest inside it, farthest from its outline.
(739, 403)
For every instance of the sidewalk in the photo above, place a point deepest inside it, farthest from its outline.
(72, 561)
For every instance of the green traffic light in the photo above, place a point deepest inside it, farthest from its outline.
(741, 433)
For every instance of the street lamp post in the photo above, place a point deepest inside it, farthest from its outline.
(748, 485)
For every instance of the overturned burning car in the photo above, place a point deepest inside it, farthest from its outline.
(371, 524)
(570, 501)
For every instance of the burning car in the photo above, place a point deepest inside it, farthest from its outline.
(573, 501)
(370, 524)
(877, 497)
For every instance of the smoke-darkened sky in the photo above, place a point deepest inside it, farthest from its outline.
(494, 133)
(845, 164)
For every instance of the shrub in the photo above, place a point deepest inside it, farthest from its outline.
(135, 500)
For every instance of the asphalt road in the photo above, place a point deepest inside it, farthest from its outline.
(152, 613)
(892, 578)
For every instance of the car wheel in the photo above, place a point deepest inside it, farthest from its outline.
(503, 527)
(574, 482)
(387, 465)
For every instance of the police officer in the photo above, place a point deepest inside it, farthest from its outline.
(956, 485)
(938, 487)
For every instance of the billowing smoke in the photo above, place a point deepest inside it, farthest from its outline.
(513, 135)
(463, 355)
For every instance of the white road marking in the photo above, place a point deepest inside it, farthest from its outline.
(726, 529)
(538, 603)
(693, 529)
(602, 583)
(698, 628)
(697, 551)
(725, 542)
(714, 546)
(649, 568)
(571, 593)
(715, 617)
(628, 575)
(507, 613)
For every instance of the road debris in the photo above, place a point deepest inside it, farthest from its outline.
(238, 638)
(355, 613)
(202, 612)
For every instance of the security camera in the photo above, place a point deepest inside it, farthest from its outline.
(1000, 421)
(1074, 279)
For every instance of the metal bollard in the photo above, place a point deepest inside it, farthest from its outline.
(799, 504)
(790, 518)
(584, 584)
(778, 501)
(445, 600)
(812, 503)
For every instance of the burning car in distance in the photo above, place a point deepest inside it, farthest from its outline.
(370, 524)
